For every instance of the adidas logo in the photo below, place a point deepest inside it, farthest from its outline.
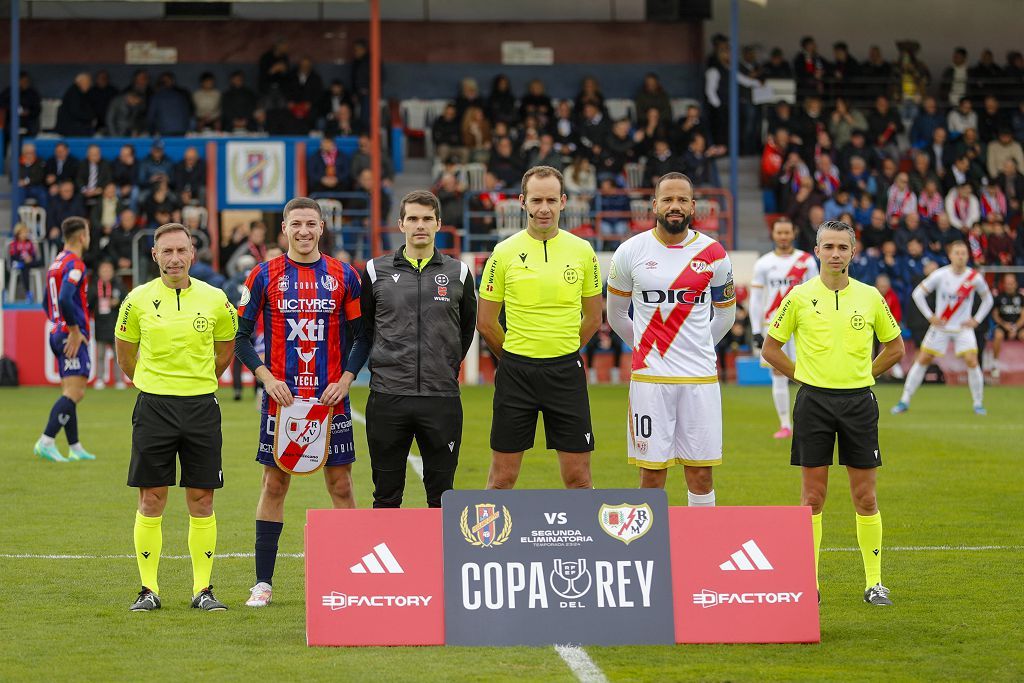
(380, 561)
(742, 561)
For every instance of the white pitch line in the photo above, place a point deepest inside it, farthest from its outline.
(905, 548)
(414, 460)
(580, 663)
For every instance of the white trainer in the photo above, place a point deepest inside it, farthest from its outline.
(260, 595)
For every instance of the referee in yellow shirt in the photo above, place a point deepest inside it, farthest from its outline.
(550, 284)
(835, 321)
(174, 338)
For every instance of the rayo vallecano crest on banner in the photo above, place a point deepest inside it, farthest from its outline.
(302, 435)
(255, 172)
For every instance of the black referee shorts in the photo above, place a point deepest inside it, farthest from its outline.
(821, 415)
(556, 387)
(184, 426)
(392, 422)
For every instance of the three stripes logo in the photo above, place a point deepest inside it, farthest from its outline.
(751, 560)
(380, 561)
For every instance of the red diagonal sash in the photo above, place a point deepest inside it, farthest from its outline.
(795, 276)
(962, 294)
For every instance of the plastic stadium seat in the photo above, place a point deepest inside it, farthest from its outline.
(332, 211)
(508, 218)
(620, 108)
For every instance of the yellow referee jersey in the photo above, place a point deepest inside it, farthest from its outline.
(175, 330)
(541, 283)
(834, 331)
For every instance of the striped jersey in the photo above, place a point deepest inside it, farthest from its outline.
(68, 269)
(304, 308)
(673, 288)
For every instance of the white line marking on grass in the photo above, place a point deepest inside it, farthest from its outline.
(898, 548)
(414, 460)
(580, 663)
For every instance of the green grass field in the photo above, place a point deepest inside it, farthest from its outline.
(951, 485)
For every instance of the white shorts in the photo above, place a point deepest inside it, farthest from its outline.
(789, 348)
(936, 341)
(674, 424)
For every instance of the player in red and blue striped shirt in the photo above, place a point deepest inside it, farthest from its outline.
(309, 303)
(66, 307)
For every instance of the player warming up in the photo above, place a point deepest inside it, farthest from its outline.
(305, 299)
(955, 286)
(66, 307)
(775, 274)
(674, 277)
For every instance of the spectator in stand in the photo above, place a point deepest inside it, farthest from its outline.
(536, 103)
(501, 102)
(274, 66)
(104, 295)
(806, 125)
(100, 95)
(254, 247)
(716, 95)
(170, 109)
(446, 132)
(482, 205)
(60, 167)
(140, 85)
(776, 148)
(843, 121)
(865, 267)
(943, 234)
(953, 85)
(564, 131)
(960, 119)
(930, 202)
(30, 106)
(237, 104)
(939, 153)
(842, 72)
(928, 119)
(125, 174)
(581, 179)
(449, 192)
(863, 210)
(857, 147)
(991, 200)
(330, 101)
(983, 77)
(922, 171)
(809, 70)
(884, 286)
(913, 76)
(909, 230)
(962, 207)
(594, 129)
(476, 135)
(1002, 149)
(660, 162)
(361, 160)
(342, 123)
(544, 154)
(364, 183)
(22, 257)
(590, 92)
(505, 164)
(206, 103)
(781, 116)
(686, 126)
(126, 115)
(469, 96)
(776, 66)
(901, 200)
(615, 212)
(1011, 182)
(839, 203)
(970, 145)
(860, 176)
(1006, 313)
(107, 208)
(960, 172)
(619, 148)
(64, 204)
(798, 209)
(884, 124)
(791, 176)
(328, 169)
(876, 233)
(891, 264)
(876, 75)
(75, 117)
(991, 120)
(651, 95)
(189, 178)
(999, 250)
(120, 248)
(652, 128)
(885, 179)
(697, 161)
(359, 75)
(161, 202)
(977, 244)
(93, 174)
(156, 164)
(31, 176)
(826, 175)
(303, 90)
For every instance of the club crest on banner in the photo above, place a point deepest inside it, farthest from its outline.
(484, 532)
(625, 522)
(303, 436)
(255, 172)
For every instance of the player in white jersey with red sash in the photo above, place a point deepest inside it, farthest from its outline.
(775, 274)
(673, 277)
(951, 322)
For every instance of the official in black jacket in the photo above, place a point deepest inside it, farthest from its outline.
(419, 313)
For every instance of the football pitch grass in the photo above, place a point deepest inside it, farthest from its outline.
(950, 495)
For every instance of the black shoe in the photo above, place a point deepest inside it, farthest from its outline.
(206, 601)
(819, 597)
(238, 395)
(877, 595)
(146, 602)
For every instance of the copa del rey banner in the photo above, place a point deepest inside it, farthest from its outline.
(255, 172)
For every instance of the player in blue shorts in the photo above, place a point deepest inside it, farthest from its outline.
(310, 308)
(66, 307)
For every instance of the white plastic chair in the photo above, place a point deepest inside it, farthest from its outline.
(508, 218)
(620, 108)
(331, 211)
(473, 176)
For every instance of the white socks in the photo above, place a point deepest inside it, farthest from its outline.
(977, 383)
(780, 394)
(46, 440)
(914, 379)
(701, 500)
